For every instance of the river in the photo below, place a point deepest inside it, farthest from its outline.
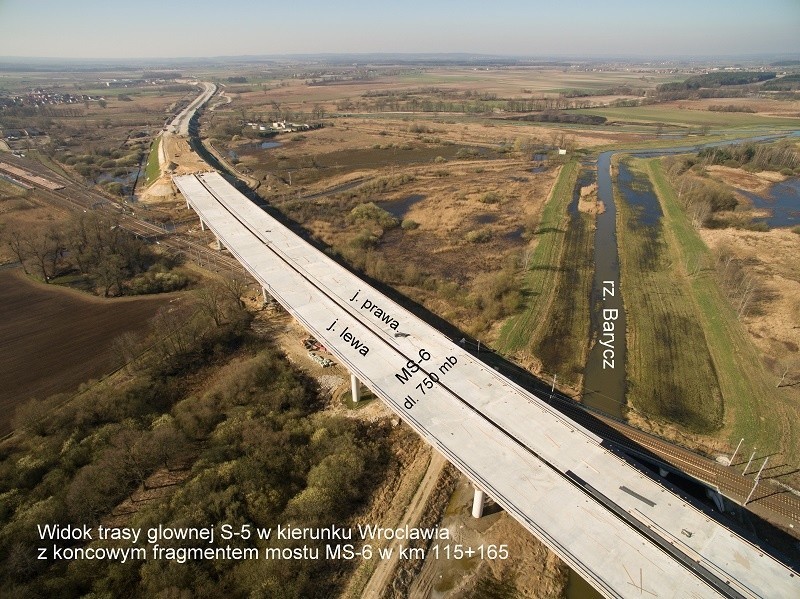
(604, 376)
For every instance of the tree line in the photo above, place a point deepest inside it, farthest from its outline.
(236, 441)
(112, 259)
(717, 79)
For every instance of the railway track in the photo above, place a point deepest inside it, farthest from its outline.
(730, 483)
(82, 200)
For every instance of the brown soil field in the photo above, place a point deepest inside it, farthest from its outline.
(504, 82)
(53, 339)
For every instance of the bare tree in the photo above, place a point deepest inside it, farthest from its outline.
(211, 299)
(45, 248)
(15, 239)
(700, 211)
(222, 300)
(174, 325)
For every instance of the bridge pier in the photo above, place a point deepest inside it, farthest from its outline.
(202, 225)
(219, 245)
(663, 472)
(355, 388)
(715, 496)
(264, 294)
(477, 503)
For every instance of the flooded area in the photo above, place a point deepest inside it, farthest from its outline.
(638, 194)
(782, 200)
(515, 235)
(268, 145)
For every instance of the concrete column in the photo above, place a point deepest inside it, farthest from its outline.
(188, 207)
(715, 496)
(219, 244)
(264, 294)
(202, 225)
(355, 388)
(663, 472)
(477, 503)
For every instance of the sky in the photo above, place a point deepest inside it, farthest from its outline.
(205, 28)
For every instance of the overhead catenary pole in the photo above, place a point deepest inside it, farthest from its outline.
(755, 483)
(733, 457)
(748, 462)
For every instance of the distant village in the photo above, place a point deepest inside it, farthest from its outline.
(39, 98)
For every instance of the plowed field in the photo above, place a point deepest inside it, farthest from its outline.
(52, 338)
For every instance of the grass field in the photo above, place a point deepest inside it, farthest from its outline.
(521, 333)
(9, 189)
(152, 171)
(670, 375)
(563, 344)
(754, 409)
(510, 82)
(672, 115)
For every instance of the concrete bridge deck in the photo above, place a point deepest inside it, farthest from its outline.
(622, 531)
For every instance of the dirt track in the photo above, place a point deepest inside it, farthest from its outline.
(52, 339)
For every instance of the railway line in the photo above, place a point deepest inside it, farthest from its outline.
(731, 484)
(547, 483)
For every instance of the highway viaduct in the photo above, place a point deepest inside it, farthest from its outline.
(622, 531)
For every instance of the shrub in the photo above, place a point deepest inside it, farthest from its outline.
(409, 225)
(491, 198)
(364, 240)
(465, 153)
(372, 212)
(759, 226)
(157, 282)
(478, 236)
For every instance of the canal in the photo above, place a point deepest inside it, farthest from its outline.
(604, 375)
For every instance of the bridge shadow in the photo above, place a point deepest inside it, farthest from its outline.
(769, 538)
